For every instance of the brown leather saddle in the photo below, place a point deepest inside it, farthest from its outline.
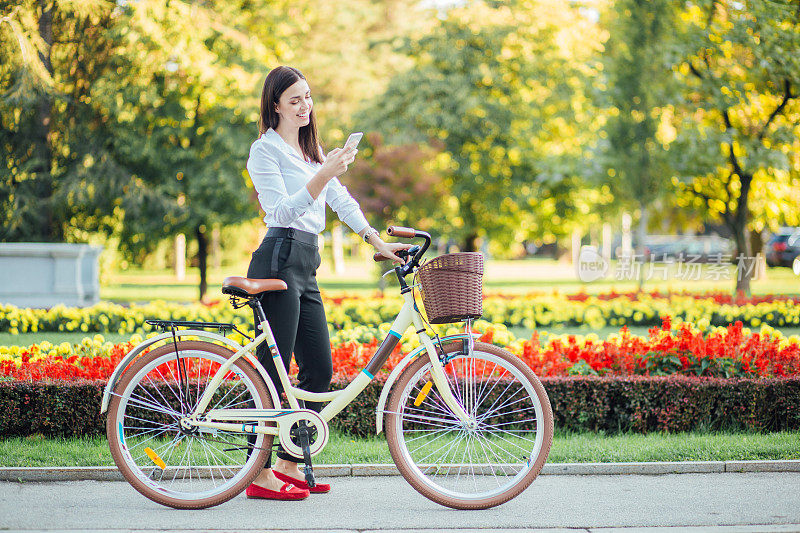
(249, 287)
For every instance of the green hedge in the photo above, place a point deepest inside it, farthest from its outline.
(580, 403)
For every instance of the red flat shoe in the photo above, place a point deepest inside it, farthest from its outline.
(319, 488)
(288, 492)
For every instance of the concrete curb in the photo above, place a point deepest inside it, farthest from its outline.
(111, 473)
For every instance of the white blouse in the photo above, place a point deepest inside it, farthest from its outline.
(280, 175)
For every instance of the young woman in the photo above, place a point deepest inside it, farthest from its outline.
(294, 181)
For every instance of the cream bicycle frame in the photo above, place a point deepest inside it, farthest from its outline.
(407, 316)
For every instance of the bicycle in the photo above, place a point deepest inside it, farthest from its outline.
(468, 424)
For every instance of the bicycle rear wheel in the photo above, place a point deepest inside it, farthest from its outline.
(483, 463)
(176, 467)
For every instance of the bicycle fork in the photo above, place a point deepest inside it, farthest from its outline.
(438, 376)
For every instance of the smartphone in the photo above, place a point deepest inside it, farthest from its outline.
(353, 140)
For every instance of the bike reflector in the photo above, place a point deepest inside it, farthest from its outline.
(423, 393)
(156, 459)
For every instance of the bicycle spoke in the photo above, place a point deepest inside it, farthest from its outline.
(452, 447)
(498, 459)
(442, 433)
(429, 420)
(168, 383)
(513, 422)
(499, 397)
(425, 433)
(437, 401)
(479, 398)
(511, 443)
(157, 408)
(506, 403)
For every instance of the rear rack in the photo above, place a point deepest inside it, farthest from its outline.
(172, 325)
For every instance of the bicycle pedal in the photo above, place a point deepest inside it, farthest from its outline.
(309, 473)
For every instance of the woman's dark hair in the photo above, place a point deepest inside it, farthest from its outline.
(278, 80)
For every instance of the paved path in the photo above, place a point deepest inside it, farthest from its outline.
(389, 503)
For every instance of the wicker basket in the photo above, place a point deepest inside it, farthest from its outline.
(452, 287)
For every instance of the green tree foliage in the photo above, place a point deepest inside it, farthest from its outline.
(738, 118)
(56, 170)
(179, 121)
(345, 50)
(134, 119)
(636, 81)
(498, 87)
(128, 121)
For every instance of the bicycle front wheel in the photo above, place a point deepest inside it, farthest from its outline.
(174, 466)
(492, 457)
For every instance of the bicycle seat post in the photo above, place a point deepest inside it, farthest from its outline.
(255, 303)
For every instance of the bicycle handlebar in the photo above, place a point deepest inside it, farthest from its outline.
(407, 233)
(400, 231)
(402, 254)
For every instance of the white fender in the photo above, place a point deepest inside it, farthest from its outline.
(139, 348)
(387, 387)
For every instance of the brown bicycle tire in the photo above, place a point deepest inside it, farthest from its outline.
(114, 442)
(406, 470)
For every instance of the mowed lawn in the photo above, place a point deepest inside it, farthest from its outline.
(516, 277)
(567, 448)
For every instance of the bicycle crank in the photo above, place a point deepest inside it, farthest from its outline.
(306, 435)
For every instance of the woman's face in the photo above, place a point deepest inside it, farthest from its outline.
(294, 105)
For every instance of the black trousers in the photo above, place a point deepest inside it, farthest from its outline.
(296, 316)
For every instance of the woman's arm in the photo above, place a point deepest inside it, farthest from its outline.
(385, 248)
(350, 213)
(264, 171)
(318, 182)
(271, 187)
(333, 165)
(345, 206)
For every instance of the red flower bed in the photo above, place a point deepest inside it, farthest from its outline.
(718, 297)
(665, 351)
(67, 368)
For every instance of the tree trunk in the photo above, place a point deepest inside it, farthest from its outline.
(215, 250)
(745, 262)
(641, 236)
(471, 243)
(44, 155)
(180, 257)
(575, 245)
(606, 244)
(381, 280)
(337, 248)
(202, 258)
(756, 242)
(626, 249)
(757, 250)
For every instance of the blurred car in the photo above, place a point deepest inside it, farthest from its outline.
(783, 247)
(662, 251)
(697, 249)
(709, 249)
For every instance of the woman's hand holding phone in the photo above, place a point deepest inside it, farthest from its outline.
(338, 159)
